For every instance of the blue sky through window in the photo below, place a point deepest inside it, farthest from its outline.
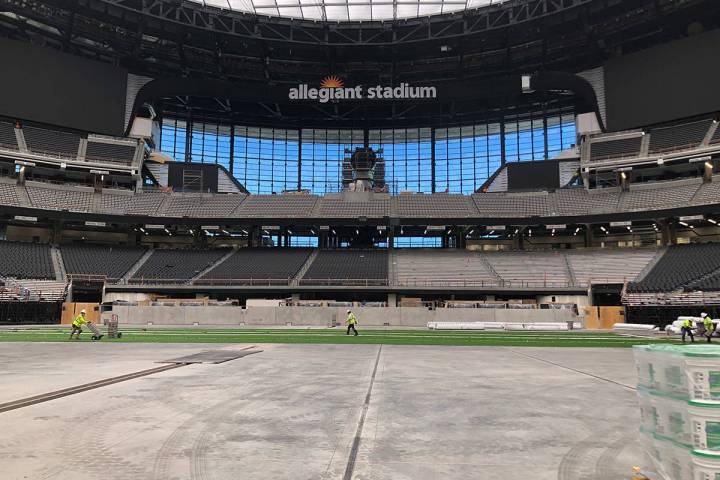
(268, 160)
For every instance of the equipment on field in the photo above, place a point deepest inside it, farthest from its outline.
(112, 325)
(96, 332)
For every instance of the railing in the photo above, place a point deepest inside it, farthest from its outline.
(97, 159)
(365, 282)
(485, 283)
(243, 281)
(69, 186)
(250, 282)
(653, 153)
(623, 156)
(346, 282)
(71, 277)
(63, 156)
(675, 148)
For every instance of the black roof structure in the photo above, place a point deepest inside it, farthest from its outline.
(478, 50)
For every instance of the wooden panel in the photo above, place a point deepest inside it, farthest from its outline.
(66, 317)
(609, 316)
(592, 318)
(71, 310)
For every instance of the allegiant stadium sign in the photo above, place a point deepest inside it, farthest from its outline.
(333, 89)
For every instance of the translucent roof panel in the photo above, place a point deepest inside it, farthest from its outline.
(349, 10)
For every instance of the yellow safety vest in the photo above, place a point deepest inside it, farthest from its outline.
(79, 321)
(687, 323)
(707, 321)
(351, 319)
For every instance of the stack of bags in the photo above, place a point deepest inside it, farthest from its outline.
(679, 397)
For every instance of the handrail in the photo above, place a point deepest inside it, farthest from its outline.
(368, 282)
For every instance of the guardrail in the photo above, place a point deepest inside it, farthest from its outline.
(70, 277)
(345, 282)
(356, 282)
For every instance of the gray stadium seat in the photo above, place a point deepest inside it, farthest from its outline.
(269, 206)
(678, 137)
(70, 199)
(435, 205)
(110, 152)
(348, 267)
(52, 142)
(681, 266)
(109, 261)
(620, 148)
(265, 265)
(171, 266)
(7, 136)
(26, 260)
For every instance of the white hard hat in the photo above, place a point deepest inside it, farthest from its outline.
(348, 310)
(83, 311)
(703, 315)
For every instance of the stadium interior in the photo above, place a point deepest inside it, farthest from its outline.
(253, 175)
(537, 176)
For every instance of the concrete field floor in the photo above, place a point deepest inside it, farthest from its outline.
(324, 412)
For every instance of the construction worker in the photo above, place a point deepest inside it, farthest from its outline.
(686, 328)
(77, 324)
(708, 324)
(351, 322)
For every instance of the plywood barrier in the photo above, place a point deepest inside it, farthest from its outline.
(71, 309)
(609, 316)
(603, 318)
(592, 318)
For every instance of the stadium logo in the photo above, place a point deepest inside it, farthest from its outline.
(332, 81)
(332, 88)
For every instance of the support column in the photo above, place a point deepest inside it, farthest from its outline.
(432, 160)
(188, 136)
(392, 300)
(231, 160)
(707, 172)
(133, 237)
(199, 239)
(57, 232)
(623, 181)
(589, 235)
(254, 237)
(518, 240)
(299, 179)
(669, 234)
(21, 175)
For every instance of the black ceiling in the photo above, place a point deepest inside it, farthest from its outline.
(174, 38)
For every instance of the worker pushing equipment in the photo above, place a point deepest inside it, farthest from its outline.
(77, 324)
(686, 328)
(351, 322)
(708, 324)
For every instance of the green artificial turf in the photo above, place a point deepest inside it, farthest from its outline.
(337, 336)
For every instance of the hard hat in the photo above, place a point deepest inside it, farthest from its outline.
(348, 310)
(83, 311)
(703, 315)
